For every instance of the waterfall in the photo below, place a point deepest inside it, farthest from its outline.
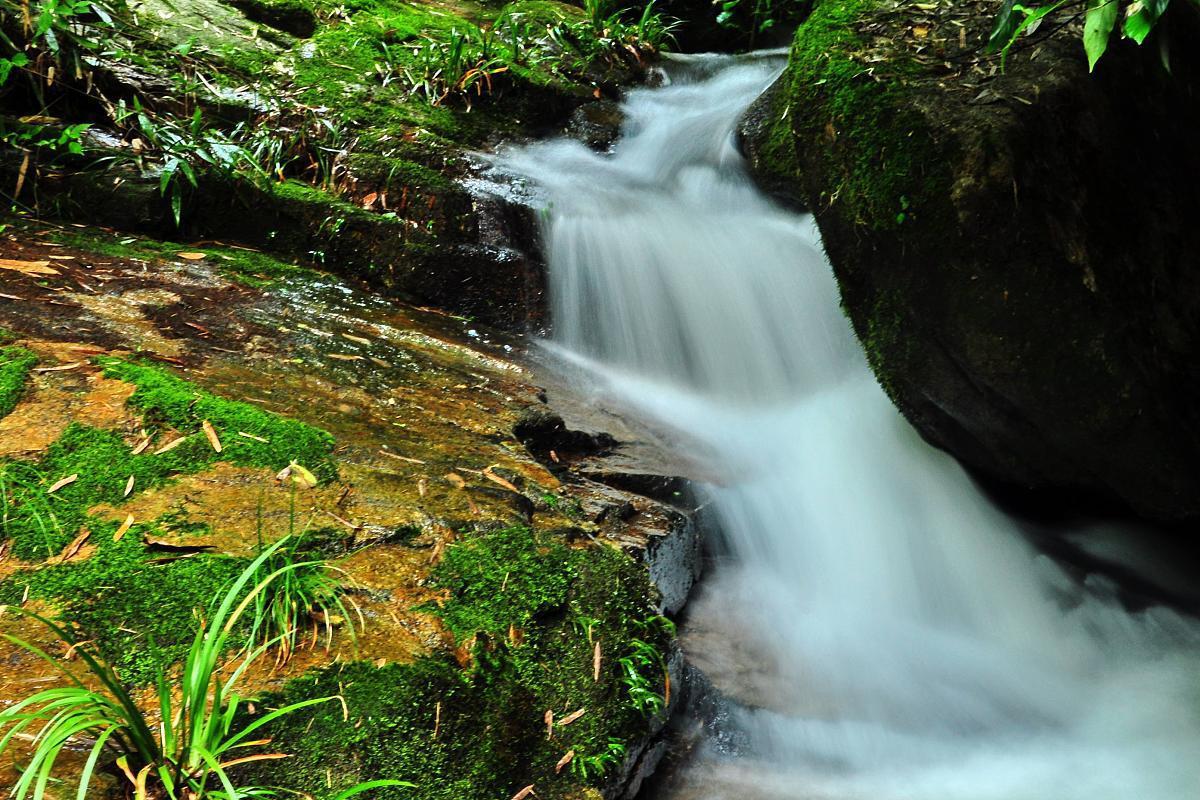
(894, 634)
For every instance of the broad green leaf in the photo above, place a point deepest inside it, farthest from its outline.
(1097, 29)
(1006, 27)
(1141, 18)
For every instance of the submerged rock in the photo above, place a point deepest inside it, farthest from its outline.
(1014, 247)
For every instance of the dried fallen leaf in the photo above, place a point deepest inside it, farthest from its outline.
(28, 267)
(156, 543)
(124, 529)
(569, 718)
(549, 719)
(71, 550)
(169, 446)
(390, 454)
(596, 660)
(456, 479)
(302, 477)
(562, 762)
(211, 433)
(60, 367)
(354, 338)
(345, 357)
(494, 478)
(128, 486)
(64, 482)
(526, 792)
(141, 446)
(191, 256)
(422, 486)
(255, 438)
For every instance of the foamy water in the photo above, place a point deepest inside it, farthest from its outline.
(909, 643)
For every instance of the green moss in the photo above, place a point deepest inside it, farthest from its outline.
(536, 610)
(874, 145)
(40, 524)
(140, 615)
(391, 172)
(165, 398)
(503, 578)
(15, 364)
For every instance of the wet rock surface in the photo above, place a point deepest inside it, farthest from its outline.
(1018, 308)
(440, 429)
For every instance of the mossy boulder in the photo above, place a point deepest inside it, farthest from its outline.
(1013, 245)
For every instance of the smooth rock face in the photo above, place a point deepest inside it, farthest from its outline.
(1029, 311)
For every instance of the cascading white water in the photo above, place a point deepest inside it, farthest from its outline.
(906, 640)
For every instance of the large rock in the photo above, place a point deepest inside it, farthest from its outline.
(1017, 248)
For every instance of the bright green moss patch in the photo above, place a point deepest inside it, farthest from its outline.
(40, 523)
(502, 578)
(15, 364)
(141, 615)
(535, 610)
(879, 155)
(165, 398)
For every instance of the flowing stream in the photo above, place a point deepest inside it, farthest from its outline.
(889, 633)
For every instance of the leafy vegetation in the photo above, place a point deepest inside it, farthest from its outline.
(306, 597)
(193, 739)
(1137, 18)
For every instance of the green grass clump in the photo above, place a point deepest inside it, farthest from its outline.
(165, 398)
(189, 746)
(535, 610)
(15, 364)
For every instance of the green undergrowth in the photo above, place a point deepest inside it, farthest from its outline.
(15, 364)
(878, 157)
(170, 400)
(140, 613)
(530, 611)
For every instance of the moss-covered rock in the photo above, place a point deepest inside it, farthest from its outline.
(1022, 309)
(546, 631)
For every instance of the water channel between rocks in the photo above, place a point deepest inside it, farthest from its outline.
(884, 631)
